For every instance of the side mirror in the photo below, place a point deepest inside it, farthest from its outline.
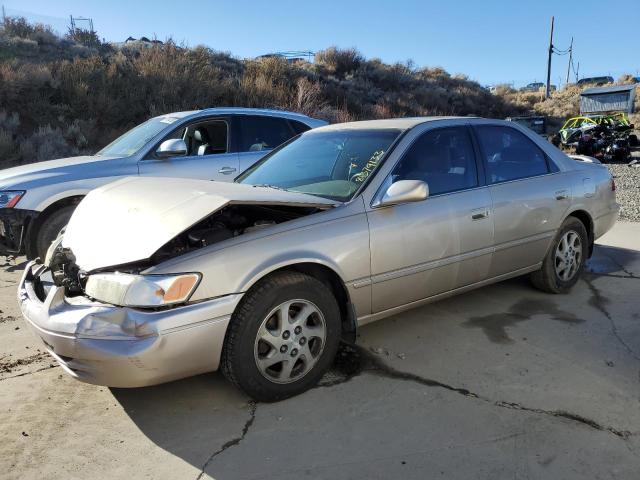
(404, 191)
(172, 148)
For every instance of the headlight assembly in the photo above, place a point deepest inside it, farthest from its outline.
(9, 198)
(128, 290)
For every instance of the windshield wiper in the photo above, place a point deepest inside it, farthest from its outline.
(266, 185)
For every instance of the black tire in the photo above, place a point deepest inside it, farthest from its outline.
(547, 278)
(633, 140)
(50, 228)
(238, 363)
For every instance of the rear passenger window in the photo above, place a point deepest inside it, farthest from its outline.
(444, 158)
(510, 155)
(263, 133)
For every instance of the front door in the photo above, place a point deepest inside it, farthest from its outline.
(209, 156)
(444, 242)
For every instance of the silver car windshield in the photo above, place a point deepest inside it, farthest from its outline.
(136, 138)
(331, 164)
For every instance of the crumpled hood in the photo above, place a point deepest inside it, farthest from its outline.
(130, 219)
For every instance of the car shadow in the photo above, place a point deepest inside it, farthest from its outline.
(189, 418)
(195, 417)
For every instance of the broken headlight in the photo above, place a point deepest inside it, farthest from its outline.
(129, 290)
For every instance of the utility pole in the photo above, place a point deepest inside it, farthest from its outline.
(548, 91)
(570, 57)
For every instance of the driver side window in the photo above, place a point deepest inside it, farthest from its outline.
(202, 138)
(443, 158)
(207, 138)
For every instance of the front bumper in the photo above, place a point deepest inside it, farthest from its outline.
(124, 347)
(14, 227)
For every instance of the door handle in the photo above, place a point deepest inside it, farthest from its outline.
(226, 170)
(562, 195)
(479, 213)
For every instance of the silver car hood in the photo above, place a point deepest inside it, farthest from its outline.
(130, 219)
(18, 177)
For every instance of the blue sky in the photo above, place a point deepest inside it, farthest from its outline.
(490, 41)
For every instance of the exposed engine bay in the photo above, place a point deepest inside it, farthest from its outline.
(229, 222)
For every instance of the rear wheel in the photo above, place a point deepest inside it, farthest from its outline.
(564, 262)
(50, 229)
(282, 337)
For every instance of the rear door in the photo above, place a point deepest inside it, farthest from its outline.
(425, 248)
(529, 196)
(210, 153)
(258, 135)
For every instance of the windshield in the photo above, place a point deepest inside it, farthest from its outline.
(331, 164)
(136, 138)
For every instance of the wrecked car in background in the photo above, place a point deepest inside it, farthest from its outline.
(607, 137)
(346, 224)
(37, 200)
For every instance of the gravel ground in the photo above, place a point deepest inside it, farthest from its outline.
(627, 190)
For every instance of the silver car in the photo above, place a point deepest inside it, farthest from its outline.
(158, 279)
(37, 200)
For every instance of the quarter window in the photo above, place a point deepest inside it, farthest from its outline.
(299, 127)
(509, 154)
(263, 133)
(443, 158)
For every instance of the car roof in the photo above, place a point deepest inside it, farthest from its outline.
(397, 123)
(241, 111)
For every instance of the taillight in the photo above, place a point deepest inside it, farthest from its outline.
(613, 185)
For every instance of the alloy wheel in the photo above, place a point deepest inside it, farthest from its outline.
(568, 255)
(290, 341)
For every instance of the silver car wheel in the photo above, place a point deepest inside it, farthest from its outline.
(568, 255)
(290, 341)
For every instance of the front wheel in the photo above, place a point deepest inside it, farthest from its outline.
(282, 337)
(51, 228)
(565, 259)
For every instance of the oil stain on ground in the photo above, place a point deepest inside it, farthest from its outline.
(495, 325)
(353, 360)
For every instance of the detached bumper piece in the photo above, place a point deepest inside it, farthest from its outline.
(123, 347)
(14, 225)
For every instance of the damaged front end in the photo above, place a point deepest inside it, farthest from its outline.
(127, 285)
(118, 233)
(96, 302)
(120, 346)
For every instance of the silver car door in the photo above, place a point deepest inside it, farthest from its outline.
(208, 158)
(529, 195)
(444, 242)
(249, 158)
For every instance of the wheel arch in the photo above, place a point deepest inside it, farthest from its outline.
(587, 221)
(36, 223)
(334, 282)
